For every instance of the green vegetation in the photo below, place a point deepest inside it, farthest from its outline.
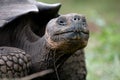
(103, 50)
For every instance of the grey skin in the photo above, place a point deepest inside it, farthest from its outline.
(68, 35)
(50, 40)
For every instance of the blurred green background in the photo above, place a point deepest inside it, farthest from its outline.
(103, 50)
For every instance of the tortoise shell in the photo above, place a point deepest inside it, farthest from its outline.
(11, 9)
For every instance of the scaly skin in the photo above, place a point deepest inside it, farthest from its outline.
(63, 37)
(68, 35)
(14, 63)
(74, 68)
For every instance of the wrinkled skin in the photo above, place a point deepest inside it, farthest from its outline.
(68, 35)
(66, 31)
(61, 46)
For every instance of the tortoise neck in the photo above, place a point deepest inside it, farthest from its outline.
(42, 55)
(47, 57)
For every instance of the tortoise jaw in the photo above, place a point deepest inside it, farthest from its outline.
(73, 31)
(73, 34)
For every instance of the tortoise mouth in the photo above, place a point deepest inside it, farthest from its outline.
(75, 32)
(72, 35)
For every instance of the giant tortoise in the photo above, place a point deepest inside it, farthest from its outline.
(35, 37)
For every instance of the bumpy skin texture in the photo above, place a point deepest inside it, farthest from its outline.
(64, 35)
(21, 22)
(74, 68)
(14, 63)
(69, 37)
(49, 39)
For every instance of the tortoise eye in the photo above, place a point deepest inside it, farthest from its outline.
(62, 21)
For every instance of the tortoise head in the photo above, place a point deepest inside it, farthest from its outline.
(67, 32)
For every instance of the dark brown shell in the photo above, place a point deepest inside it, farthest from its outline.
(10, 9)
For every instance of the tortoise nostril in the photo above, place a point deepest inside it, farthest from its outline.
(76, 18)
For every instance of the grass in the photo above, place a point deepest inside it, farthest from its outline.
(103, 57)
(103, 50)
